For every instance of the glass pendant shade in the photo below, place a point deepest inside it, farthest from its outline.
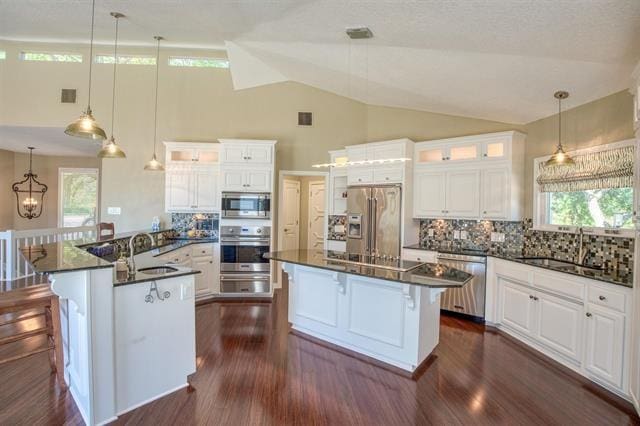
(560, 158)
(86, 127)
(154, 165)
(111, 150)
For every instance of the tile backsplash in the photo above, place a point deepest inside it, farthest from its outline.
(519, 238)
(203, 225)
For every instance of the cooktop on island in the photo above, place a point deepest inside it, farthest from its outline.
(375, 261)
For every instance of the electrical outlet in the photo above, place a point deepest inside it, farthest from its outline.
(456, 235)
(114, 210)
(430, 232)
(464, 235)
(497, 237)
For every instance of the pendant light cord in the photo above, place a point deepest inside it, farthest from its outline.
(93, 15)
(559, 122)
(115, 66)
(155, 117)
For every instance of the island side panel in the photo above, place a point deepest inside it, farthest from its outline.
(385, 320)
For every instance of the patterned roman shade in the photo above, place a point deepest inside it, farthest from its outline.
(594, 170)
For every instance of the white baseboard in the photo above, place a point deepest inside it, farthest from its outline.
(133, 407)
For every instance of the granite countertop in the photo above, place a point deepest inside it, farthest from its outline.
(123, 278)
(607, 276)
(428, 274)
(62, 256)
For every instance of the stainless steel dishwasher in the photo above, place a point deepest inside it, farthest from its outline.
(470, 298)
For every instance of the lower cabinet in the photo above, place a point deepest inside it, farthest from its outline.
(204, 258)
(590, 337)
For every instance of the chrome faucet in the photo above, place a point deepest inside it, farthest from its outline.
(582, 253)
(132, 262)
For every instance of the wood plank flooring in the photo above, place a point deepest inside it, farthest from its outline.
(252, 371)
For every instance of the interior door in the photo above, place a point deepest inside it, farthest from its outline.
(386, 209)
(461, 192)
(316, 211)
(291, 215)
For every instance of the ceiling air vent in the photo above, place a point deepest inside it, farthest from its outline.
(305, 119)
(362, 32)
(68, 96)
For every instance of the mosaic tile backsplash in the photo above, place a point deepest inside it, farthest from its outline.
(608, 251)
(336, 220)
(201, 225)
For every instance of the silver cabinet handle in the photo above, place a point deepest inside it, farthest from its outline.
(535, 298)
(589, 315)
(602, 298)
(531, 296)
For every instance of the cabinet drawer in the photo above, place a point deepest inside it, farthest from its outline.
(559, 285)
(515, 271)
(359, 176)
(388, 175)
(177, 256)
(420, 255)
(203, 250)
(599, 295)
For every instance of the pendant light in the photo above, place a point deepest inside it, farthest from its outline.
(86, 126)
(560, 158)
(30, 208)
(154, 164)
(110, 149)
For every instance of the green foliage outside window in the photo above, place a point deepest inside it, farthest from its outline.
(610, 208)
(80, 196)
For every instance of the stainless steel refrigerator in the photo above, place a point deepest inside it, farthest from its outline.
(373, 219)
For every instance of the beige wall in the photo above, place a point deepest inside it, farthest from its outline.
(7, 199)
(46, 167)
(201, 105)
(606, 120)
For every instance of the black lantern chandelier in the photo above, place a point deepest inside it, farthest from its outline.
(31, 205)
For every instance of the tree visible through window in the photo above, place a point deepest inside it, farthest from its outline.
(78, 197)
(605, 208)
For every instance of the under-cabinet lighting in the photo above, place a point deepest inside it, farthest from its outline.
(361, 162)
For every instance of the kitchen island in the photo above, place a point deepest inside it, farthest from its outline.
(388, 310)
(127, 339)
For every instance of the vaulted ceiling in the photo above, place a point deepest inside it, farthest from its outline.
(495, 59)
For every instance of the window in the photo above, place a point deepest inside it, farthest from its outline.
(50, 57)
(3, 55)
(77, 197)
(187, 61)
(597, 193)
(126, 60)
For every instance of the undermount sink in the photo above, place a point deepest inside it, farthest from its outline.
(558, 264)
(158, 270)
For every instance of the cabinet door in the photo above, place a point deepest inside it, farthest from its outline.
(605, 343)
(390, 174)
(258, 180)
(233, 153)
(430, 155)
(560, 325)
(178, 191)
(180, 155)
(428, 194)
(258, 153)
(207, 196)
(494, 194)
(387, 152)
(462, 198)
(207, 156)
(204, 278)
(495, 149)
(233, 180)
(516, 307)
(338, 194)
(360, 176)
(357, 153)
(464, 152)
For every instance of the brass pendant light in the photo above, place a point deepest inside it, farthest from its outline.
(153, 164)
(33, 191)
(560, 158)
(86, 126)
(110, 149)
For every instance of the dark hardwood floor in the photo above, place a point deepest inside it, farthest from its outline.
(252, 371)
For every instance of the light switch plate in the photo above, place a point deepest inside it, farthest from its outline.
(464, 235)
(497, 237)
(430, 232)
(114, 210)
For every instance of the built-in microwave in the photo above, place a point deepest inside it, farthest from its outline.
(246, 205)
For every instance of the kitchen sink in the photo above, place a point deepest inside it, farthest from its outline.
(158, 270)
(562, 265)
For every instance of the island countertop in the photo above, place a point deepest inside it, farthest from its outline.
(428, 275)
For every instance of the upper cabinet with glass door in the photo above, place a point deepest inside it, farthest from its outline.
(192, 153)
(492, 146)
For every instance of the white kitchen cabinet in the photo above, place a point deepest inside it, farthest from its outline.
(494, 193)
(461, 193)
(485, 177)
(429, 193)
(203, 257)
(516, 307)
(418, 255)
(377, 167)
(605, 344)
(388, 174)
(184, 153)
(207, 192)
(247, 151)
(236, 179)
(559, 324)
(192, 190)
(178, 191)
(360, 176)
(338, 183)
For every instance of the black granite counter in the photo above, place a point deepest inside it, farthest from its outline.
(607, 276)
(61, 257)
(428, 274)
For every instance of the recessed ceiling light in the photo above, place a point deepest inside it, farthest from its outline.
(362, 32)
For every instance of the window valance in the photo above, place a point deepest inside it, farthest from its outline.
(611, 168)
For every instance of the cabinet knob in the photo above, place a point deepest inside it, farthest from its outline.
(535, 298)
(211, 261)
(484, 155)
(531, 296)
(484, 212)
(589, 315)
(602, 298)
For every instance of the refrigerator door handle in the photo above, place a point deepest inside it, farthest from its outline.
(374, 226)
(369, 205)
